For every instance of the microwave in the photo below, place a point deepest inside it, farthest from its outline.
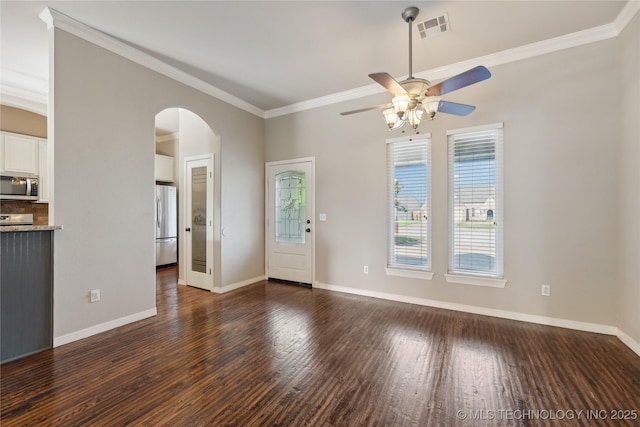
(14, 187)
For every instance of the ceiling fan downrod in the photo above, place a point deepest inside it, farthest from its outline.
(409, 15)
(416, 99)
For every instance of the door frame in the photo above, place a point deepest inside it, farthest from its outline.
(267, 195)
(210, 157)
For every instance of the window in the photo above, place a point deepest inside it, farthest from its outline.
(475, 204)
(409, 190)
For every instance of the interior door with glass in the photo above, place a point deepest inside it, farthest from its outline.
(199, 222)
(289, 221)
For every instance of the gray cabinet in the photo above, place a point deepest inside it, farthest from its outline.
(26, 293)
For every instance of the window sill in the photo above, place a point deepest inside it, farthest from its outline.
(413, 274)
(476, 280)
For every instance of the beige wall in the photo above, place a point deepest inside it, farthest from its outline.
(629, 181)
(563, 154)
(104, 109)
(22, 121)
(560, 162)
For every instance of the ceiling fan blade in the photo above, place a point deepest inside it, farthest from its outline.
(455, 108)
(361, 110)
(389, 83)
(465, 79)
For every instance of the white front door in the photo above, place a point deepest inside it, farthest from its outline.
(289, 225)
(199, 222)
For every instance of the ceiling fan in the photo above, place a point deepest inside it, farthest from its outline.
(414, 98)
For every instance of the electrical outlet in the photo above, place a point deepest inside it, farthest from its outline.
(545, 290)
(94, 295)
(323, 217)
(365, 269)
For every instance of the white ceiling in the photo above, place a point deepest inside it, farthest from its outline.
(277, 53)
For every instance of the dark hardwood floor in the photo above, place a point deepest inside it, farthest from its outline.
(277, 354)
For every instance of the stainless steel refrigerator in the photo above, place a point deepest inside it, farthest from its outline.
(166, 225)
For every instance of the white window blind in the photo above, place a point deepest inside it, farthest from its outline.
(409, 195)
(475, 201)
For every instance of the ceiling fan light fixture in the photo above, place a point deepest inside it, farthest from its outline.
(392, 119)
(400, 104)
(415, 99)
(431, 104)
(414, 117)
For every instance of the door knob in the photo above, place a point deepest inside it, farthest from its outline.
(308, 221)
(187, 229)
(308, 230)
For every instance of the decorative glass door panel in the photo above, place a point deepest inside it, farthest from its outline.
(199, 219)
(290, 207)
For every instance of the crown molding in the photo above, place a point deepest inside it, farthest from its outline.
(54, 18)
(334, 98)
(24, 99)
(579, 38)
(626, 15)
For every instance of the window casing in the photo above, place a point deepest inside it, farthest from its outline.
(409, 203)
(475, 157)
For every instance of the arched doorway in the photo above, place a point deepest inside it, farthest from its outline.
(181, 137)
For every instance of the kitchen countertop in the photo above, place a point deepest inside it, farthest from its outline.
(14, 228)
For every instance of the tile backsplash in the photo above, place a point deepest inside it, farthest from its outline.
(40, 211)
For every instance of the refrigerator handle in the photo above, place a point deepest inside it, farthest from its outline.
(157, 212)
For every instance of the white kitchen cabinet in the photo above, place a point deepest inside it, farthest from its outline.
(165, 167)
(43, 171)
(18, 154)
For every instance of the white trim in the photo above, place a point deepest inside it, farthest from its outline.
(285, 162)
(61, 21)
(404, 138)
(626, 15)
(579, 38)
(628, 341)
(491, 282)
(47, 17)
(169, 137)
(238, 285)
(412, 274)
(503, 314)
(484, 311)
(103, 327)
(27, 100)
(334, 98)
(53, 18)
(499, 125)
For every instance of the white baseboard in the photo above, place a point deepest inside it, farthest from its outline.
(103, 327)
(237, 285)
(504, 314)
(511, 315)
(629, 342)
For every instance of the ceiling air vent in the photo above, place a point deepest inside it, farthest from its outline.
(432, 27)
